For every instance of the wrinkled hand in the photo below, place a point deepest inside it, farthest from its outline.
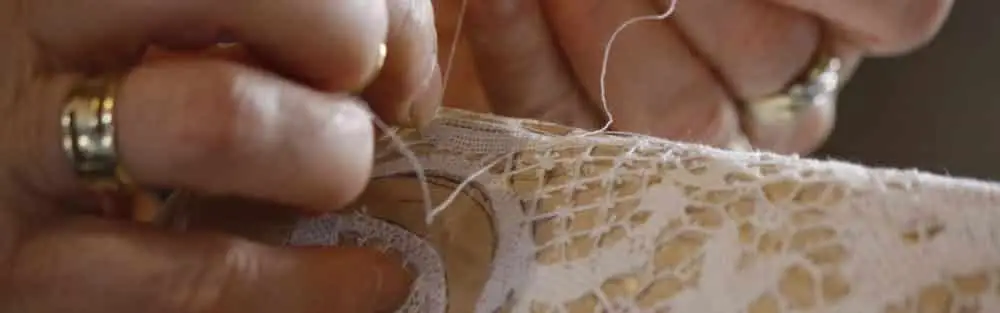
(684, 78)
(220, 122)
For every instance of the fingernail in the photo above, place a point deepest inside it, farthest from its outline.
(426, 105)
(353, 279)
(376, 71)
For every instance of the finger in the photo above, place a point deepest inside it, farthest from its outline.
(459, 74)
(520, 65)
(223, 128)
(881, 27)
(233, 53)
(398, 95)
(408, 90)
(758, 48)
(331, 44)
(90, 265)
(801, 135)
(655, 84)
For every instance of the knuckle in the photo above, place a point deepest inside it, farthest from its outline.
(562, 105)
(710, 118)
(413, 57)
(423, 14)
(212, 121)
(421, 18)
(229, 266)
(499, 13)
(700, 112)
(920, 23)
(405, 15)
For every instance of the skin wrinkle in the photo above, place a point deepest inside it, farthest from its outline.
(882, 28)
(379, 284)
(201, 291)
(595, 108)
(932, 19)
(556, 111)
(675, 108)
(742, 89)
(215, 134)
(204, 290)
(553, 105)
(242, 264)
(110, 52)
(543, 49)
(715, 129)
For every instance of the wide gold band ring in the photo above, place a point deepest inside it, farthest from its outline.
(88, 134)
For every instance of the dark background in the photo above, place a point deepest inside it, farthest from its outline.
(937, 109)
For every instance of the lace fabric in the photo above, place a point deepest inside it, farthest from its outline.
(565, 223)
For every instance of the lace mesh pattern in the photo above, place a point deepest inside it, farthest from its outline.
(621, 223)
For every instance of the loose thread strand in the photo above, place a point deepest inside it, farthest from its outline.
(411, 157)
(607, 59)
(433, 212)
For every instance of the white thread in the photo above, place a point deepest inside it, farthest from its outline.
(607, 56)
(430, 210)
(604, 98)
(401, 145)
(454, 44)
(418, 168)
(465, 183)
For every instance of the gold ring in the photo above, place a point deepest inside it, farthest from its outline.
(88, 129)
(818, 87)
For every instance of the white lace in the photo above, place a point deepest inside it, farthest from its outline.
(634, 224)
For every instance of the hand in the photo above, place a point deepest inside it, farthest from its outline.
(217, 122)
(687, 77)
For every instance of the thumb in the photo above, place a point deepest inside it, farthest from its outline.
(90, 265)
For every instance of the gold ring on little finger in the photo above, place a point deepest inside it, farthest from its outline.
(818, 87)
